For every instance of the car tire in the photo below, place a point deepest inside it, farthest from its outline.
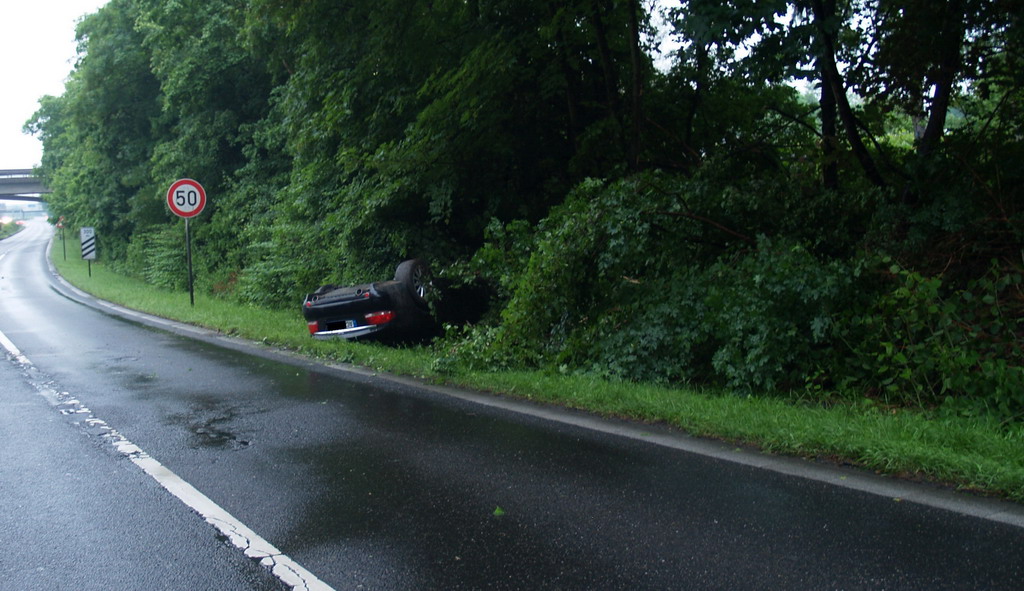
(414, 275)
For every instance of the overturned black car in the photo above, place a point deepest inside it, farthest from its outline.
(392, 311)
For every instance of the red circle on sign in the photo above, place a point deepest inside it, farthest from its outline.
(186, 198)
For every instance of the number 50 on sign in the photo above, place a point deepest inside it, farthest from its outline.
(186, 198)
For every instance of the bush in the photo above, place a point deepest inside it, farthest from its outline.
(502, 258)
(756, 320)
(624, 281)
(923, 343)
(653, 278)
(8, 229)
(588, 258)
(273, 279)
(771, 313)
(658, 334)
(158, 256)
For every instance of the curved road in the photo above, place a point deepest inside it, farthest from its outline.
(139, 454)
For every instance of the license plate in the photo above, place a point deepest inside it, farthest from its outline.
(350, 324)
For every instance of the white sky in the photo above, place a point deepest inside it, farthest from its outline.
(37, 51)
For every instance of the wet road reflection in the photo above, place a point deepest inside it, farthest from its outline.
(399, 488)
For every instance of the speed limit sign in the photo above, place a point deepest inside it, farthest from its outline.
(186, 198)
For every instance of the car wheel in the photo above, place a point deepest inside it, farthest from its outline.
(415, 277)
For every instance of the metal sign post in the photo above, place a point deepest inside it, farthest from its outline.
(188, 261)
(63, 243)
(187, 198)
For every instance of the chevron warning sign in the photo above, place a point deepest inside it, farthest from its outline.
(88, 236)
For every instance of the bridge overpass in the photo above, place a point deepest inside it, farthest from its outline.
(21, 185)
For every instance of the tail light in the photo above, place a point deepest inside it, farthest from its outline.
(314, 326)
(378, 318)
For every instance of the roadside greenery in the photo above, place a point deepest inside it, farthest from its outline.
(8, 229)
(972, 453)
(807, 201)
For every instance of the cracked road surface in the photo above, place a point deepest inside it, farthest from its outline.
(139, 454)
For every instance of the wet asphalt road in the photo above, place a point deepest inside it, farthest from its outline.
(376, 484)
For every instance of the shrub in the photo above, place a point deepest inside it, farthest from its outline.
(158, 256)
(502, 258)
(588, 256)
(625, 281)
(924, 343)
(273, 280)
(658, 333)
(771, 312)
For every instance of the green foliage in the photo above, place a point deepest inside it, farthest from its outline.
(623, 281)
(561, 282)
(470, 348)
(8, 229)
(503, 256)
(657, 334)
(158, 256)
(771, 312)
(278, 273)
(923, 343)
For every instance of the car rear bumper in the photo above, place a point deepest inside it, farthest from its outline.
(348, 333)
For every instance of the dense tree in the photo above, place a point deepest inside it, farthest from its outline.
(413, 124)
(215, 93)
(99, 135)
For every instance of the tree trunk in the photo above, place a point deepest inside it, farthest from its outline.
(702, 60)
(637, 90)
(824, 12)
(607, 63)
(571, 82)
(951, 36)
(829, 139)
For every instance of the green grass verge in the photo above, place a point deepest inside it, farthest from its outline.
(8, 230)
(971, 453)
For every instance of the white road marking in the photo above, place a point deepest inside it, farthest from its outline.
(14, 351)
(252, 545)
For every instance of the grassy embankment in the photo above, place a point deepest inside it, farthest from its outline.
(971, 453)
(8, 229)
